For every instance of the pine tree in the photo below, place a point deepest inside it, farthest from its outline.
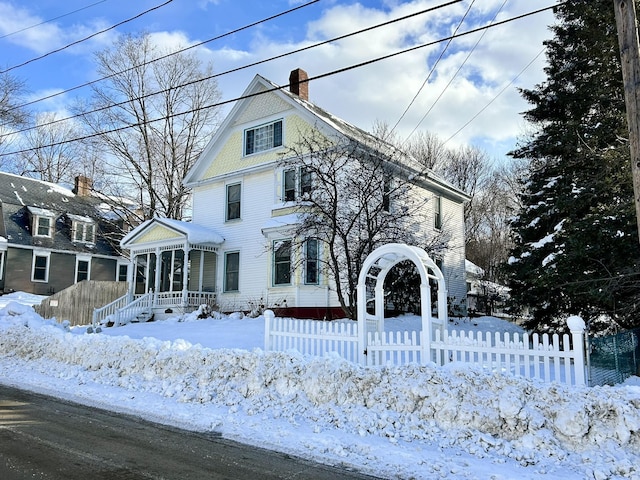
(576, 243)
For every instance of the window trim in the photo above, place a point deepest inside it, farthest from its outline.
(277, 135)
(78, 226)
(225, 283)
(36, 225)
(227, 203)
(437, 212)
(119, 265)
(299, 189)
(82, 258)
(275, 262)
(37, 254)
(307, 262)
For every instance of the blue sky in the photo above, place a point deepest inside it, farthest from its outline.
(379, 92)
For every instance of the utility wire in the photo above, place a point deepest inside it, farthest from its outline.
(276, 88)
(496, 97)
(167, 55)
(454, 75)
(210, 77)
(51, 20)
(433, 68)
(86, 38)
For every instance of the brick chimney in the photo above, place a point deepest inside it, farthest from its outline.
(83, 186)
(299, 83)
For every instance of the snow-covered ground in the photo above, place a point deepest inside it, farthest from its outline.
(454, 422)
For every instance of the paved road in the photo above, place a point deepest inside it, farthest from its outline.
(45, 438)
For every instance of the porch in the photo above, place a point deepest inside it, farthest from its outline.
(173, 271)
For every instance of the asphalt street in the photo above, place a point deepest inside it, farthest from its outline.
(45, 438)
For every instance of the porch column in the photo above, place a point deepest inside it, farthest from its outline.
(132, 275)
(185, 274)
(156, 280)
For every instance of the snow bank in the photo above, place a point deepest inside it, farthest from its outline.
(594, 430)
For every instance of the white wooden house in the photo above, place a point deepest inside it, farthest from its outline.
(241, 210)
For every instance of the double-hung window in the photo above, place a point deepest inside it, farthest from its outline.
(311, 261)
(40, 267)
(437, 212)
(43, 226)
(296, 184)
(83, 268)
(231, 271)
(282, 262)
(233, 201)
(42, 221)
(386, 193)
(123, 271)
(264, 137)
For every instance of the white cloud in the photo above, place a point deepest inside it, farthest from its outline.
(383, 90)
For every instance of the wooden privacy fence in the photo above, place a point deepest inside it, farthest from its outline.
(77, 302)
(544, 357)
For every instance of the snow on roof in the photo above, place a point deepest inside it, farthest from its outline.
(42, 212)
(282, 221)
(365, 138)
(80, 218)
(195, 233)
(471, 267)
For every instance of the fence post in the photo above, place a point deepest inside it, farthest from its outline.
(268, 319)
(577, 327)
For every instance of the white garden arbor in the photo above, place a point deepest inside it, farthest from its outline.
(370, 290)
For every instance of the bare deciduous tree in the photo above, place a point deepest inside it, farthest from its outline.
(359, 197)
(154, 120)
(48, 154)
(11, 115)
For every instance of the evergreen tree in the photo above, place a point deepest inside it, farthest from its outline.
(576, 243)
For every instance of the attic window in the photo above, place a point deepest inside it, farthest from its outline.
(264, 137)
(84, 232)
(83, 229)
(42, 221)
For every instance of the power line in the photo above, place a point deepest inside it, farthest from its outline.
(496, 97)
(168, 55)
(210, 77)
(433, 68)
(86, 38)
(51, 20)
(317, 77)
(455, 74)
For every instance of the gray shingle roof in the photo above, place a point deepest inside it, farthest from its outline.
(22, 196)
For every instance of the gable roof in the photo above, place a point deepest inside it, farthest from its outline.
(260, 85)
(21, 197)
(163, 229)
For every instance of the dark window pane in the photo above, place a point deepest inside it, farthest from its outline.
(231, 272)
(289, 185)
(40, 268)
(277, 134)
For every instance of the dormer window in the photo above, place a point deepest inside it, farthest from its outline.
(264, 137)
(42, 222)
(83, 229)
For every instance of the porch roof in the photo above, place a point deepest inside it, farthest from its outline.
(159, 231)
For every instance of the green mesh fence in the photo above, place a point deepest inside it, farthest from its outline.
(614, 358)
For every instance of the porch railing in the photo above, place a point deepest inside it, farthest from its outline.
(180, 299)
(123, 310)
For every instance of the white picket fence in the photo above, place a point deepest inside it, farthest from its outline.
(543, 357)
(311, 337)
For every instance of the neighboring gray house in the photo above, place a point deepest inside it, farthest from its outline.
(52, 237)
